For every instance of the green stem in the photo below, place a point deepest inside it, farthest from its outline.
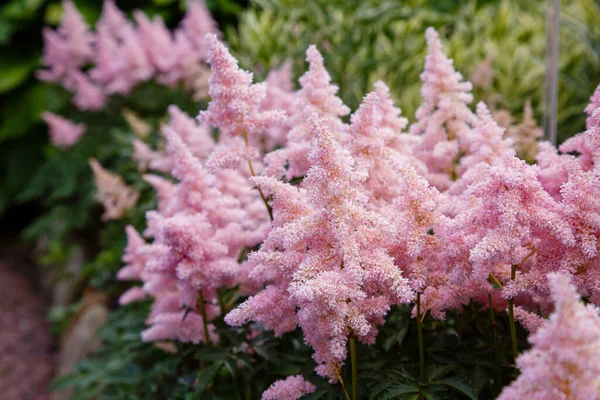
(203, 314)
(495, 341)
(511, 316)
(221, 301)
(262, 195)
(420, 333)
(354, 368)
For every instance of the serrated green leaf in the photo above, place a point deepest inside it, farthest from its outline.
(458, 385)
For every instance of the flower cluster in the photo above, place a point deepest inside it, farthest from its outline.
(121, 54)
(364, 215)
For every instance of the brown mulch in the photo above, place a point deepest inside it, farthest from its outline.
(26, 347)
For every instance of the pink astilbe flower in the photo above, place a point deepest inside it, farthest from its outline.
(317, 94)
(552, 168)
(235, 102)
(63, 133)
(273, 307)
(116, 197)
(197, 137)
(198, 232)
(280, 95)
(371, 142)
(509, 217)
(68, 48)
(147, 158)
(587, 144)
(196, 24)
(187, 328)
(112, 18)
(444, 119)
(581, 208)
(488, 144)
(234, 106)
(156, 40)
(134, 260)
(290, 388)
(593, 120)
(526, 134)
(338, 289)
(88, 96)
(564, 361)
(529, 320)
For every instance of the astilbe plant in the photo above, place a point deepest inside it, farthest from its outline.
(120, 55)
(326, 225)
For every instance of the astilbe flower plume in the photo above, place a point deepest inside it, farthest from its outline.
(444, 120)
(343, 281)
(122, 55)
(377, 143)
(68, 48)
(196, 137)
(421, 239)
(280, 95)
(291, 388)
(593, 120)
(133, 270)
(509, 219)
(63, 133)
(198, 232)
(564, 361)
(234, 107)
(317, 94)
(112, 192)
(526, 134)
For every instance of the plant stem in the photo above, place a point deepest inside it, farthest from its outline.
(203, 313)
(342, 383)
(495, 341)
(420, 334)
(354, 368)
(511, 316)
(262, 195)
(221, 301)
(496, 281)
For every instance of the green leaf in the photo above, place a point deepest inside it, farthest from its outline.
(459, 385)
(205, 375)
(26, 107)
(405, 391)
(14, 70)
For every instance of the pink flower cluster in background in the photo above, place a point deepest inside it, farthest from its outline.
(367, 215)
(121, 54)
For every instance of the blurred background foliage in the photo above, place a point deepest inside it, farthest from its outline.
(23, 136)
(367, 40)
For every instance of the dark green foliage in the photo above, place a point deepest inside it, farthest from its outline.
(459, 356)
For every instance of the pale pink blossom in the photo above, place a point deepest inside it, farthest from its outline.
(196, 24)
(280, 95)
(322, 260)
(317, 94)
(156, 40)
(63, 133)
(68, 48)
(88, 96)
(444, 120)
(529, 320)
(564, 361)
(290, 388)
(235, 101)
(593, 120)
(116, 197)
